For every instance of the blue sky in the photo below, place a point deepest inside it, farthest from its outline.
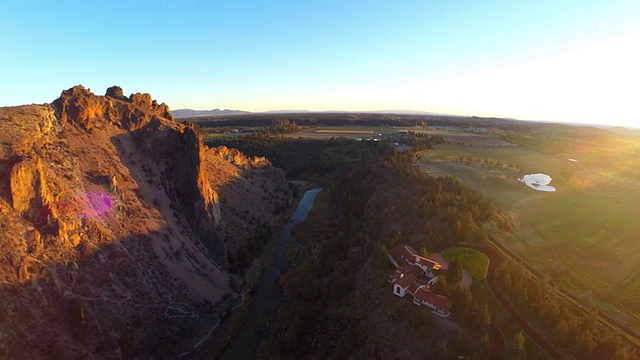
(550, 60)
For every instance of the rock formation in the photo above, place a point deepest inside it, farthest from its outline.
(117, 225)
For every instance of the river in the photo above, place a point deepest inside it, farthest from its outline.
(267, 295)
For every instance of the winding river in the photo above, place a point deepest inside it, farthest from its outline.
(267, 295)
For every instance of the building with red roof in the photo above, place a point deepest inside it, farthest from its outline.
(414, 275)
(440, 303)
(402, 255)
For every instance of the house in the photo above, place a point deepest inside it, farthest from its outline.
(440, 303)
(404, 255)
(414, 275)
(401, 286)
(401, 254)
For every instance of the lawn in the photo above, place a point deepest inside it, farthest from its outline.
(473, 261)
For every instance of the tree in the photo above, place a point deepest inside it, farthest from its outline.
(481, 235)
(584, 344)
(607, 345)
(454, 274)
(486, 316)
(561, 333)
(522, 296)
(441, 286)
(503, 276)
(381, 260)
(520, 342)
(424, 252)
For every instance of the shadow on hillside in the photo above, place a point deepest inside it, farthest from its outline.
(168, 182)
(116, 300)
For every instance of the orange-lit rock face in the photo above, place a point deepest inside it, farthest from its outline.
(88, 110)
(24, 182)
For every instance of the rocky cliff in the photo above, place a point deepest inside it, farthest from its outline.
(117, 225)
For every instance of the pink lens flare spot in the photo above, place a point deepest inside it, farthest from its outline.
(97, 204)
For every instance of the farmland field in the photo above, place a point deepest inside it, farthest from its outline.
(464, 137)
(585, 236)
(355, 132)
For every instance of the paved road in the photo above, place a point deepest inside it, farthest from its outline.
(498, 345)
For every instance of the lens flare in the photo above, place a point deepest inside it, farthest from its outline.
(90, 204)
(97, 204)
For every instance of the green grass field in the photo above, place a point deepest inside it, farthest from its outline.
(586, 235)
(352, 131)
(473, 261)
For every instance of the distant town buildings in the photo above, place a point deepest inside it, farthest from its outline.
(414, 275)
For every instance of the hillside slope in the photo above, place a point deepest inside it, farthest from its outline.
(113, 232)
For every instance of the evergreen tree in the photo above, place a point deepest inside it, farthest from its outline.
(520, 341)
(454, 274)
(424, 252)
(486, 316)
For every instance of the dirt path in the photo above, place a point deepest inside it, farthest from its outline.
(417, 154)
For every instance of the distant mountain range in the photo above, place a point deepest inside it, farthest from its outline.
(184, 113)
(625, 130)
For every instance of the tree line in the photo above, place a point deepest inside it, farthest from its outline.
(576, 331)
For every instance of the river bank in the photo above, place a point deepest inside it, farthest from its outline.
(267, 295)
(227, 325)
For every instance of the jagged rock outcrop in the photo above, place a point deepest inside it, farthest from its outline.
(237, 158)
(81, 106)
(116, 222)
(28, 187)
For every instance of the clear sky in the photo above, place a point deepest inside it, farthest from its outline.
(575, 61)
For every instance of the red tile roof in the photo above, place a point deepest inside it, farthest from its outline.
(403, 254)
(412, 269)
(407, 280)
(440, 301)
(414, 287)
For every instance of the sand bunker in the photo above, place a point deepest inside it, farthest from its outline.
(538, 182)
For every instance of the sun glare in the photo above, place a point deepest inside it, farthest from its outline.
(591, 85)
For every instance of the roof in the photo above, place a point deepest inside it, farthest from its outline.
(414, 287)
(407, 280)
(403, 254)
(413, 269)
(430, 263)
(440, 301)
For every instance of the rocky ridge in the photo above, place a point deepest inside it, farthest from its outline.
(116, 226)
